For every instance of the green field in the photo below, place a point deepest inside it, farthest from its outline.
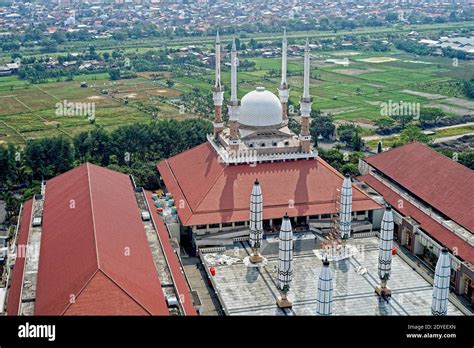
(28, 111)
(352, 92)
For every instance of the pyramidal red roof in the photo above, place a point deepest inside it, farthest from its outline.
(94, 255)
(443, 183)
(207, 191)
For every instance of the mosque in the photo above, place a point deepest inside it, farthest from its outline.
(211, 183)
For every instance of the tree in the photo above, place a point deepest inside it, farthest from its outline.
(49, 157)
(468, 88)
(430, 115)
(351, 169)
(357, 143)
(384, 123)
(59, 37)
(413, 133)
(349, 134)
(403, 119)
(467, 159)
(114, 74)
(12, 204)
(379, 147)
(322, 125)
(346, 132)
(391, 17)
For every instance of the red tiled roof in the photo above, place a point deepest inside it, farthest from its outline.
(177, 273)
(444, 184)
(427, 224)
(94, 256)
(207, 191)
(14, 293)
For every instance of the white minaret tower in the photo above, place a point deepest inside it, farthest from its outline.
(218, 91)
(305, 103)
(283, 91)
(324, 297)
(345, 215)
(439, 304)
(233, 106)
(285, 262)
(256, 224)
(385, 252)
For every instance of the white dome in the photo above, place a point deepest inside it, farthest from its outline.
(260, 108)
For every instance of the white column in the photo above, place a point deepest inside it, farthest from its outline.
(439, 304)
(285, 255)
(256, 217)
(325, 290)
(345, 215)
(385, 246)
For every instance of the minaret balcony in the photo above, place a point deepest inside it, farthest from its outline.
(305, 108)
(218, 97)
(284, 94)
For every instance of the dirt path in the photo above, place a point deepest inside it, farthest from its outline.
(377, 137)
(454, 137)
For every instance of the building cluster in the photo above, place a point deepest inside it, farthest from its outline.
(457, 43)
(102, 17)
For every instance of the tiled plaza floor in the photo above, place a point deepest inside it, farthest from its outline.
(253, 291)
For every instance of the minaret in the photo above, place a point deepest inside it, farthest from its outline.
(283, 91)
(324, 297)
(285, 262)
(256, 225)
(345, 215)
(218, 92)
(385, 252)
(439, 304)
(305, 104)
(233, 106)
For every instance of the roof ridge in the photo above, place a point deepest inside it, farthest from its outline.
(80, 291)
(209, 188)
(92, 215)
(446, 157)
(426, 146)
(173, 176)
(125, 291)
(327, 165)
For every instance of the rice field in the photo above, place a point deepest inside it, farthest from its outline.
(353, 92)
(30, 111)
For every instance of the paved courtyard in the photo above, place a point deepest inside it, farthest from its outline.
(252, 291)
